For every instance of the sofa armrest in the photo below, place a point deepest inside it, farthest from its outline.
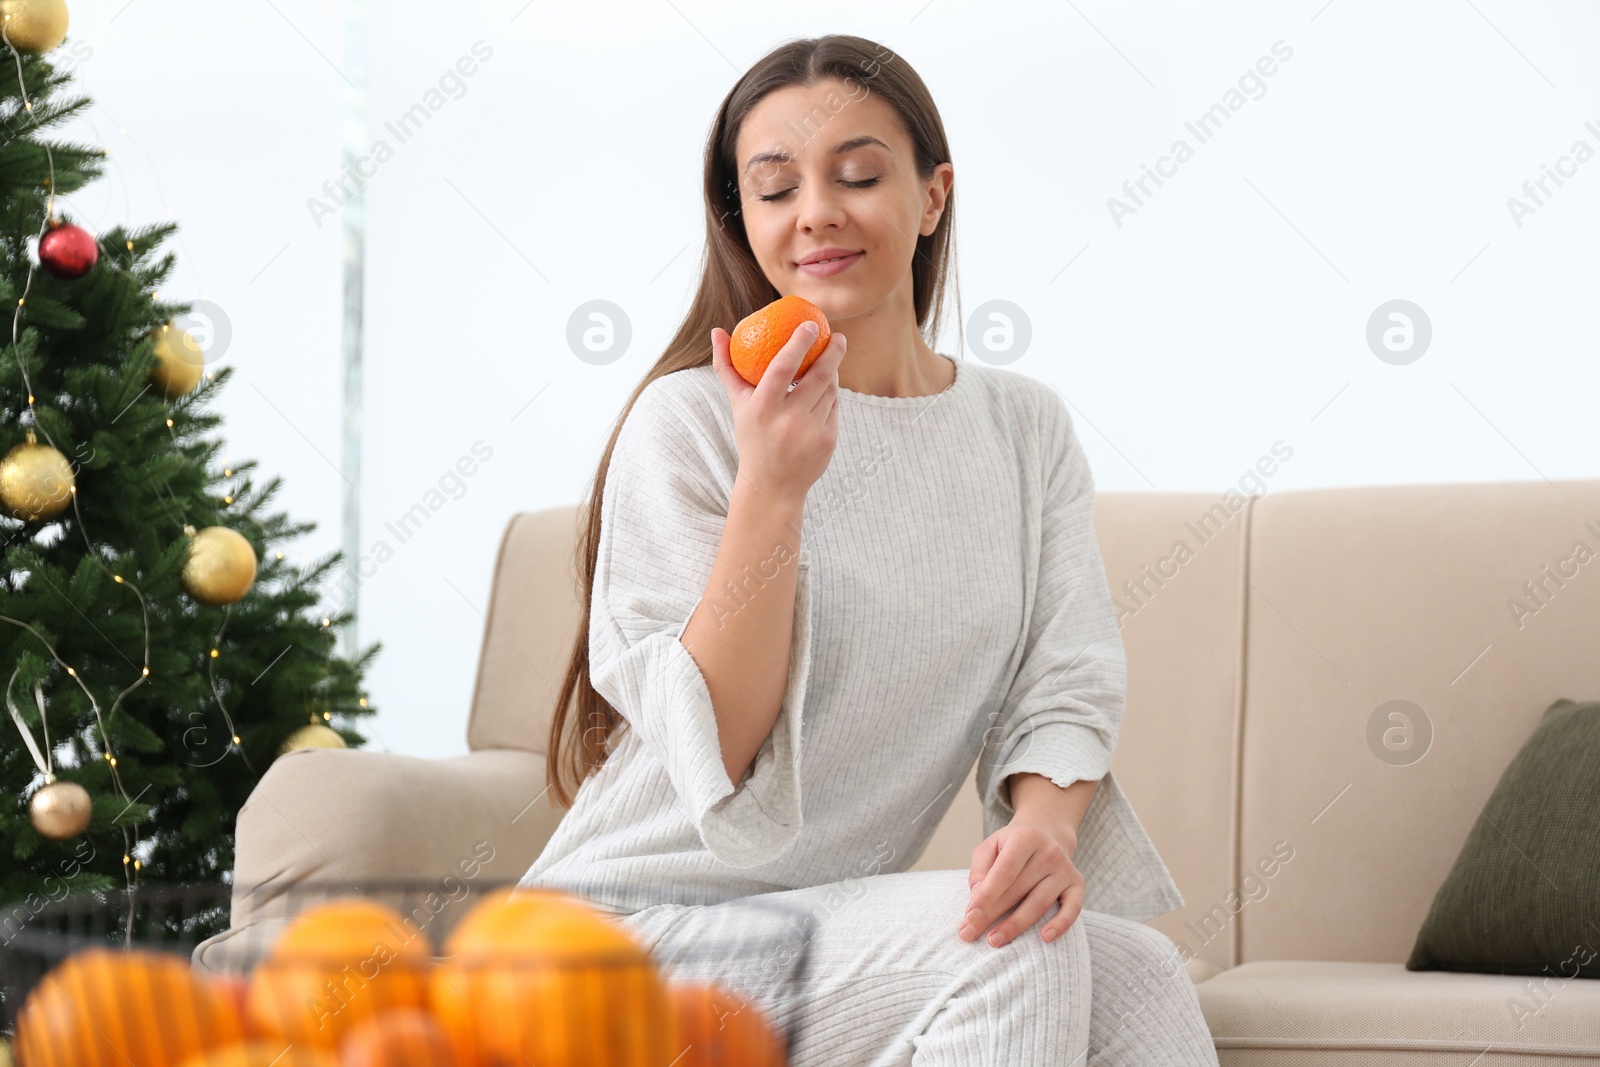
(356, 817)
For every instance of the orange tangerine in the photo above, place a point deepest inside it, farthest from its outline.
(761, 333)
(538, 976)
(335, 966)
(401, 1038)
(720, 1028)
(129, 1008)
(260, 1053)
(236, 988)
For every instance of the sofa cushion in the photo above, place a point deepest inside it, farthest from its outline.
(1524, 894)
(1294, 1013)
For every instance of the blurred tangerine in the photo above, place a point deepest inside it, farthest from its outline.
(720, 1028)
(540, 976)
(335, 966)
(129, 1008)
(402, 1038)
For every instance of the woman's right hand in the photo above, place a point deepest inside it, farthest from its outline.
(786, 437)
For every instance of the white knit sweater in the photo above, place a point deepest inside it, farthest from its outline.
(951, 605)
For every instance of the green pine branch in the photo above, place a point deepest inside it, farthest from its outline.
(87, 347)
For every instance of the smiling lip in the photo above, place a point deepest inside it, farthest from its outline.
(829, 261)
(827, 253)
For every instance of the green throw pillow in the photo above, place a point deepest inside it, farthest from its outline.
(1524, 895)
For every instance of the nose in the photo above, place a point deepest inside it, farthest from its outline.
(820, 206)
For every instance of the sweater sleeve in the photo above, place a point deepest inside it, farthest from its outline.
(663, 512)
(1063, 710)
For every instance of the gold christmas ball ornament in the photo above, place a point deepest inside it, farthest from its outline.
(179, 360)
(34, 25)
(60, 810)
(36, 481)
(221, 566)
(314, 736)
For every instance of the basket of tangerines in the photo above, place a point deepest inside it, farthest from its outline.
(349, 977)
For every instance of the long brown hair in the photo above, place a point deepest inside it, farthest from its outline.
(732, 286)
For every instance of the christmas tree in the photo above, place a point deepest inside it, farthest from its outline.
(157, 650)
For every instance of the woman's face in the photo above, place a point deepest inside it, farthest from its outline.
(830, 166)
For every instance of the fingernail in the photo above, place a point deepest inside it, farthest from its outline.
(966, 929)
(810, 329)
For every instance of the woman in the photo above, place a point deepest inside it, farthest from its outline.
(810, 607)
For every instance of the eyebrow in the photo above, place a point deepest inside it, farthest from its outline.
(780, 156)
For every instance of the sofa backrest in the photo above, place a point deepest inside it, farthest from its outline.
(1403, 642)
(1268, 641)
(528, 633)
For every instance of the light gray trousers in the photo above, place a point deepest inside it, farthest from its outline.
(888, 981)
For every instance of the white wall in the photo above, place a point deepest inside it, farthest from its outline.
(1228, 312)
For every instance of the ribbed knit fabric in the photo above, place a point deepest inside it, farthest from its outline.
(887, 981)
(951, 605)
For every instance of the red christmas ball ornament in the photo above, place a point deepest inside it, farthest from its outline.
(67, 251)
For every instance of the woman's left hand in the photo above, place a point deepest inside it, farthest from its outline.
(1028, 860)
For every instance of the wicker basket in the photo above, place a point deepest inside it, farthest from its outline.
(177, 918)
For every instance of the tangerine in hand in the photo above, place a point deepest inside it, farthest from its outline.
(761, 333)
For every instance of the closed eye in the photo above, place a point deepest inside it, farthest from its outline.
(865, 183)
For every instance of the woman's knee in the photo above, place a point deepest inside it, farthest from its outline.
(1138, 960)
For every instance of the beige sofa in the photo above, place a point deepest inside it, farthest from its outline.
(1266, 637)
